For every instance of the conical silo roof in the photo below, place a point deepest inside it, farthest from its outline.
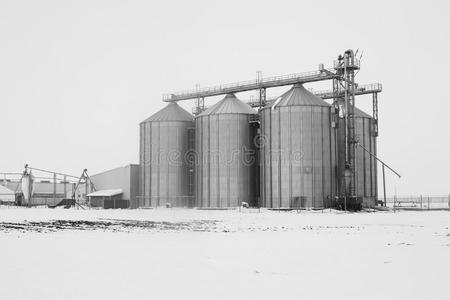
(229, 105)
(360, 114)
(299, 96)
(172, 112)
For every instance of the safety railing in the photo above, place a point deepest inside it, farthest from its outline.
(250, 84)
(340, 64)
(326, 94)
(360, 90)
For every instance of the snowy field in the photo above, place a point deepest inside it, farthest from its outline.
(192, 254)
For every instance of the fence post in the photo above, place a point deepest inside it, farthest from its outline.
(448, 201)
(395, 200)
(54, 188)
(421, 201)
(428, 202)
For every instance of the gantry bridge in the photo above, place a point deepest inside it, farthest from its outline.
(257, 84)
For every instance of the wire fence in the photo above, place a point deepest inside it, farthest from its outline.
(415, 202)
(418, 202)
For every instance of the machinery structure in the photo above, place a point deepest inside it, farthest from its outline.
(346, 66)
(345, 193)
(63, 191)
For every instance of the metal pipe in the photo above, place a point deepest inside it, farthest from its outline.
(85, 187)
(384, 164)
(395, 200)
(384, 187)
(65, 187)
(41, 170)
(54, 187)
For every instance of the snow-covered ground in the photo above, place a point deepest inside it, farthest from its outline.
(193, 254)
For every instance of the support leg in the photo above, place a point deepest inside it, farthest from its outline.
(384, 186)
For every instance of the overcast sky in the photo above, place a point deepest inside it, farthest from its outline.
(77, 77)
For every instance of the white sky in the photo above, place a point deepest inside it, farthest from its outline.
(76, 77)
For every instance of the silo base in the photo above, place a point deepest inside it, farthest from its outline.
(348, 203)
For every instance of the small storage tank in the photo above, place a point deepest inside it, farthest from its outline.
(366, 164)
(166, 173)
(225, 155)
(298, 152)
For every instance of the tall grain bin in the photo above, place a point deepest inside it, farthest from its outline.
(225, 155)
(165, 170)
(298, 153)
(366, 164)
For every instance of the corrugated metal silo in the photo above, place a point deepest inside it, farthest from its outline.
(225, 153)
(366, 164)
(298, 153)
(166, 171)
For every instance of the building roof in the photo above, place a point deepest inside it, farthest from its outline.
(6, 194)
(299, 96)
(106, 193)
(361, 114)
(5, 191)
(229, 105)
(172, 112)
(116, 169)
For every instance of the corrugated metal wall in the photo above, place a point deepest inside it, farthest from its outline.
(125, 178)
(297, 157)
(164, 167)
(225, 157)
(366, 165)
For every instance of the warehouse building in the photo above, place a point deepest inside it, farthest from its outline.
(7, 196)
(108, 199)
(107, 184)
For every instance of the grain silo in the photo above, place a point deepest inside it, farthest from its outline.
(366, 164)
(298, 153)
(166, 175)
(225, 155)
